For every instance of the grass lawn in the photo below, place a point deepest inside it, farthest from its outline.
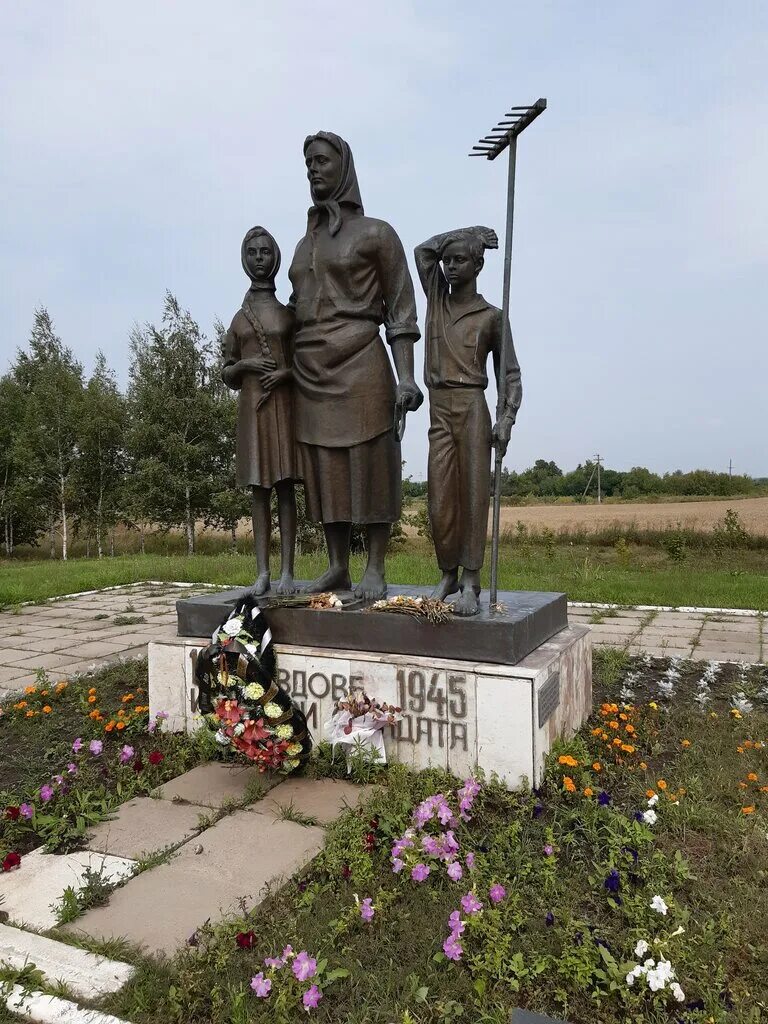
(641, 575)
(577, 871)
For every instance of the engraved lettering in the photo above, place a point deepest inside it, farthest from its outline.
(339, 686)
(457, 683)
(326, 685)
(284, 679)
(424, 728)
(299, 683)
(442, 731)
(406, 721)
(416, 691)
(459, 731)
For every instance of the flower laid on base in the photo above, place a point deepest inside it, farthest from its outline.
(428, 608)
(240, 699)
(358, 721)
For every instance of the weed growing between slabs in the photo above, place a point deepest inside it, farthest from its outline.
(629, 888)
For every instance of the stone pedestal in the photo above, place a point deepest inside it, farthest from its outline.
(456, 713)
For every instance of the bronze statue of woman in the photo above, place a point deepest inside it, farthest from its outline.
(350, 276)
(257, 363)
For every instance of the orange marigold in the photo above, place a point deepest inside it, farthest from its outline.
(627, 748)
(92, 699)
(643, 765)
(661, 784)
(613, 724)
(30, 714)
(568, 760)
(630, 729)
(650, 793)
(109, 727)
(748, 810)
(588, 791)
(752, 777)
(92, 690)
(685, 743)
(597, 767)
(30, 689)
(120, 726)
(47, 709)
(568, 784)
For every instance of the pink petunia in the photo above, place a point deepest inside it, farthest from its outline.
(455, 871)
(497, 893)
(77, 746)
(452, 947)
(261, 985)
(27, 811)
(46, 793)
(397, 865)
(95, 747)
(470, 860)
(304, 966)
(455, 923)
(72, 768)
(419, 872)
(126, 754)
(311, 998)
(470, 904)
(366, 910)
(274, 962)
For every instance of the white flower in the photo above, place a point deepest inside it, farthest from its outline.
(655, 980)
(252, 649)
(653, 800)
(677, 992)
(232, 626)
(272, 710)
(641, 948)
(650, 817)
(253, 691)
(658, 904)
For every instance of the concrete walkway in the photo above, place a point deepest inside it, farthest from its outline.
(75, 634)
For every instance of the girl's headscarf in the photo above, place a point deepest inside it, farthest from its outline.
(347, 191)
(267, 282)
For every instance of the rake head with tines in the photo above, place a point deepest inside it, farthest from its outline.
(516, 119)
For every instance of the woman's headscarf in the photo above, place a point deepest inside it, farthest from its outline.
(347, 191)
(267, 282)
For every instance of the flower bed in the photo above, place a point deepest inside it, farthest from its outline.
(70, 753)
(629, 888)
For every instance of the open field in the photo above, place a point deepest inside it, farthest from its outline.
(697, 515)
(640, 575)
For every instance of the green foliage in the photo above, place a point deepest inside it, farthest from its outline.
(94, 892)
(674, 544)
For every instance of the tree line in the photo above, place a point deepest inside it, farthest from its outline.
(79, 456)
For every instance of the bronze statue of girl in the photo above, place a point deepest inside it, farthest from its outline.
(258, 355)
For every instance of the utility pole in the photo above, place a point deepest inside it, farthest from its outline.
(730, 467)
(599, 494)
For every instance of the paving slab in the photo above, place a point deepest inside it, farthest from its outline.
(322, 799)
(243, 856)
(86, 975)
(96, 649)
(31, 890)
(526, 1017)
(215, 784)
(727, 653)
(143, 826)
(45, 1009)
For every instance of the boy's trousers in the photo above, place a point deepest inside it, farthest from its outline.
(459, 475)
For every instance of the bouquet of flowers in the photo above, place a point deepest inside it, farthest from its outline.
(240, 699)
(359, 721)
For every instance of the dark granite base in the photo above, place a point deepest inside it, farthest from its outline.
(505, 637)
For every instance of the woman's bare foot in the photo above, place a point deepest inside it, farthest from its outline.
(449, 584)
(372, 587)
(334, 578)
(261, 586)
(467, 604)
(285, 584)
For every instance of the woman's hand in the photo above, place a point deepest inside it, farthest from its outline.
(263, 364)
(273, 378)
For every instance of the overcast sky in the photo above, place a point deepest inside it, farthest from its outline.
(139, 141)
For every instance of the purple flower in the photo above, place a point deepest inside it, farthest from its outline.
(287, 952)
(457, 926)
(639, 816)
(549, 920)
(274, 961)
(452, 947)
(95, 747)
(419, 872)
(77, 746)
(261, 985)
(470, 860)
(612, 883)
(470, 904)
(538, 810)
(46, 793)
(397, 865)
(604, 799)
(58, 779)
(126, 754)
(27, 811)
(304, 966)
(366, 910)
(455, 871)
(72, 768)
(430, 846)
(548, 850)
(497, 893)
(311, 998)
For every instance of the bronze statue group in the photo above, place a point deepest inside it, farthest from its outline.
(319, 401)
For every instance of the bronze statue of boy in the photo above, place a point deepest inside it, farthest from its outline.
(462, 331)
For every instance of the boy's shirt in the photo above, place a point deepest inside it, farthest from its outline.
(460, 339)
